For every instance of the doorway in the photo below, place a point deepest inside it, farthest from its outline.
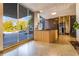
(66, 31)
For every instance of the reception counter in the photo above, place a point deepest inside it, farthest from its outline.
(48, 36)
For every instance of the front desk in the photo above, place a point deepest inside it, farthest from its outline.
(48, 36)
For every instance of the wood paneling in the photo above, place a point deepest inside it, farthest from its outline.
(46, 35)
(53, 35)
(1, 27)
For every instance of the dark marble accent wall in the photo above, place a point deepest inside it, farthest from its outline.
(72, 30)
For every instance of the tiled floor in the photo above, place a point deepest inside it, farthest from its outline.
(36, 48)
(64, 39)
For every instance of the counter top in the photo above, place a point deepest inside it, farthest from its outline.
(44, 30)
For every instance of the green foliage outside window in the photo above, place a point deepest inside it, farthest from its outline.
(20, 25)
(8, 26)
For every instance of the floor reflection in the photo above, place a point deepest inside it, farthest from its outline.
(35, 48)
(12, 53)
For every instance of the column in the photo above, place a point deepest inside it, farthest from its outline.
(1, 27)
(77, 19)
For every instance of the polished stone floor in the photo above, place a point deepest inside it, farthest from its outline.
(36, 48)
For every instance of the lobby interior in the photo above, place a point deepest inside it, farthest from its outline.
(39, 29)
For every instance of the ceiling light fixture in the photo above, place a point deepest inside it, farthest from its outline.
(54, 13)
(41, 11)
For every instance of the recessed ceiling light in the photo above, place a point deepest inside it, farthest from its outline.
(41, 11)
(53, 13)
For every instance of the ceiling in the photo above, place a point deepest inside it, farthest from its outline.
(48, 8)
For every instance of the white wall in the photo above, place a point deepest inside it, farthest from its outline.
(77, 18)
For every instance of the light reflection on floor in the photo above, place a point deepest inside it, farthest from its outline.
(35, 48)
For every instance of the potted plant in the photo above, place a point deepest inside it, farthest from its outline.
(76, 25)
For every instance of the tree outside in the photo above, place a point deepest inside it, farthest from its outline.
(10, 27)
